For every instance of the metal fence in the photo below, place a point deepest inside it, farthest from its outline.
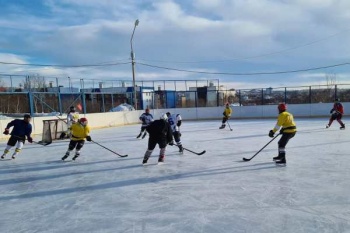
(34, 94)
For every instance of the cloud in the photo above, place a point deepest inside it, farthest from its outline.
(213, 35)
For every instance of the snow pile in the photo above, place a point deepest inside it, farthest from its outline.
(122, 108)
(3, 117)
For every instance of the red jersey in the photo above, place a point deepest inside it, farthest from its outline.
(338, 107)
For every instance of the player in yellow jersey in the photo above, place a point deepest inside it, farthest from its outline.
(288, 131)
(227, 114)
(80, 130)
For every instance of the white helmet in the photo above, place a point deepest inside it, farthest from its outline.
(163, 116)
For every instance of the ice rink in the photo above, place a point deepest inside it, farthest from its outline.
(214, 192)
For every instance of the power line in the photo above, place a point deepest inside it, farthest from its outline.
(257, 73)
(65, 66)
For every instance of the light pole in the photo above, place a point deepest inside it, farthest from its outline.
(133, 65)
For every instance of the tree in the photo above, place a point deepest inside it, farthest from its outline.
(36, 83)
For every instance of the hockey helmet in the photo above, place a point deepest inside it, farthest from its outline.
(72, 109)
(282, 107)
(163, 116)
(168, 114)
(337, 100)
(83, 121)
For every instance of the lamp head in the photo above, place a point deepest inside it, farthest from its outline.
(137, 22)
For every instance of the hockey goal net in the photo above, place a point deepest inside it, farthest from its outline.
(54, 129)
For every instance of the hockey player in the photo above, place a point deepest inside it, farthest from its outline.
(21, 130)
(175, 121)
(72, 117)
(288, 131)
(159, 133)
(337, 113)
(227, 114)
(80, 130)
(146, 119)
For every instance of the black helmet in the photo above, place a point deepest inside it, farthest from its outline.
(72, 109)
(337, 100)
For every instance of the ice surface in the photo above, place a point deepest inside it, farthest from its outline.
(214, 192)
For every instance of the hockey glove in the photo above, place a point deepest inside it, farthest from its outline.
(171, 143)
(30, 139)
(6, 132)
(88, 138)
(281, 131)
(271, 134)
(179, 123)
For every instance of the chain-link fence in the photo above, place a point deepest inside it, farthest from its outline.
(35, 94)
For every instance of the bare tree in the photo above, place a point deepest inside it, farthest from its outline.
(2, 86)
(36, 83)
(331, 80)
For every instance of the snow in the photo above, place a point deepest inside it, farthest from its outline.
(214, 192)
(122, 108)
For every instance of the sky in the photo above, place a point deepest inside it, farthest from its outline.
(230, 40)
(213, 192)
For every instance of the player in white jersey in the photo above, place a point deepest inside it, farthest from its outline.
(72, 117)
(146, 119)
(175, 121)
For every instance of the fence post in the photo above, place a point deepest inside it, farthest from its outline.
(335, 91)
(239, 98)
(285, 95)
(103, 102)
(310, 95)
(31, 104)
(59, 97)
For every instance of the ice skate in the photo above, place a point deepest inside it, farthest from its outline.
(75, 156)
(145, 160)
(138, 136)
(3, 156)
(279, 157)
(222, 127)
(13, 156)
(342, 127)
(181, 149)
(161, 159)
(65, 156)
(281, 162)
(327, 126)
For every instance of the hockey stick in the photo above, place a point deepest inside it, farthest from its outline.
(43, 143)
(246, 160)
(229, 125)
(200, 153)
(109, 149)
(39, 143)
(191, 150)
